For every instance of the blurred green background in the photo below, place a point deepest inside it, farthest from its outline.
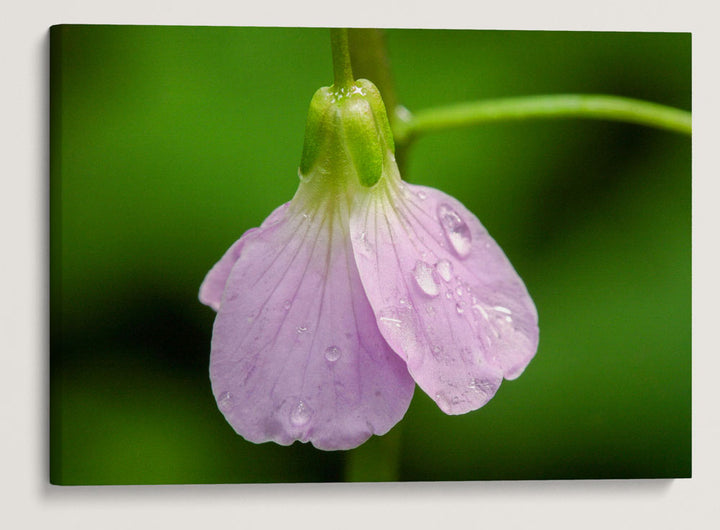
(167, 143)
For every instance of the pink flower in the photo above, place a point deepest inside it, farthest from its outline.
(355, 290)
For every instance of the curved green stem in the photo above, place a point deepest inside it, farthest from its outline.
(555, 106)
(342, 68)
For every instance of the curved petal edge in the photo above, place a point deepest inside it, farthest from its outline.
(296, 351)
(445, 296)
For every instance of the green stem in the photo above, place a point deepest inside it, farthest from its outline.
(377, 460)
(555, 106)
(341, 58)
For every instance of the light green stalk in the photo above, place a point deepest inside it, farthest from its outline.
(555, 106)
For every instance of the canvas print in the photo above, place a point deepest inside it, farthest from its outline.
(283, 255)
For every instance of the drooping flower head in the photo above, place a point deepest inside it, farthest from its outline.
(358, 288)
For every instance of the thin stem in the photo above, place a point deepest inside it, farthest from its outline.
(341, 58)
(377, 460)
(555, 106)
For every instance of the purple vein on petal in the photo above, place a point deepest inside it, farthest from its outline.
(418, 244)
(329, 218)
(285, 316)
(390, 232)
(265, 272)
(292, 236)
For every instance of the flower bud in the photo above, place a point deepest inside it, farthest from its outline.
(347, 133)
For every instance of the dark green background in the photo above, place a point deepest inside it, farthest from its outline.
(167, 143)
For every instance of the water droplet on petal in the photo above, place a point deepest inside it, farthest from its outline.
(364, 245)
(287, 305)
(443, 402)
(422, 195)
(459, 291)
(460, 308)
(333, 353)
(482, 385)
(405, 303)
(444, 269)
(302, 329)
(481, 310)
(456, 230)
(390, 321)
(425, 278)
(225, 401)
(300, 414)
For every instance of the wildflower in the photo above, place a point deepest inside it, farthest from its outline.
(355, 290)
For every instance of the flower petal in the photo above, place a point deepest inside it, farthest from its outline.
(296, 351)
(446, 298)
(213, 285)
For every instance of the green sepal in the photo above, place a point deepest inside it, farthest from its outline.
(379, 111)
(316, 129)
(362, 140)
